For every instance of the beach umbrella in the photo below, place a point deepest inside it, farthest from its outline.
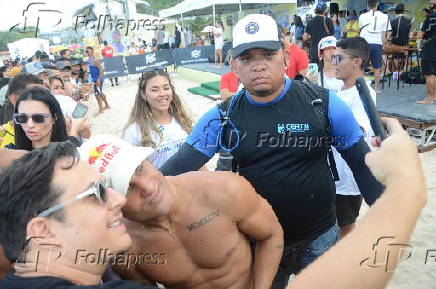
(208, 29)
(74, 46)
(57, 48)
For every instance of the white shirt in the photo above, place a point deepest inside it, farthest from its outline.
(173, 136)
(373, 25)
(67, 104)
(166, 37)
(346, 184)
(331, 83)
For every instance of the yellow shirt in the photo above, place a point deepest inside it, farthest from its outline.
(8, 135)
(352, 30)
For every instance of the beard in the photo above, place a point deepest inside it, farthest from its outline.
(261, 93)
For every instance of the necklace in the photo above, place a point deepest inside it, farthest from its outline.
(169, 231)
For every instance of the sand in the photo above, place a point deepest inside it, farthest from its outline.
(412, 273)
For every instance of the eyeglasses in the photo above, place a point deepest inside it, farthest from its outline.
(98, 189)
(336, 59)
(22, 118)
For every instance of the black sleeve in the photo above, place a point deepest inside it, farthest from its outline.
(185, 160)
(369, 187)
(74, 140)
(331, 26)
(308, 27)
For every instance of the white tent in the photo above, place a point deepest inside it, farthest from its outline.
(203, 7)
(27, 47)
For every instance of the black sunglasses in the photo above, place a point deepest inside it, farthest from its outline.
(22, 118)
(336, 59)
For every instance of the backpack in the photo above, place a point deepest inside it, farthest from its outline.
(299, 31)
(310, 91)
(414, 76)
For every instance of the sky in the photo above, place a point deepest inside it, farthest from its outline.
(11, 12)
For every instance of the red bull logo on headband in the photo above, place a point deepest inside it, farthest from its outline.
(101, 156)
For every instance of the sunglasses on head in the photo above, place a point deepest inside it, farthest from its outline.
(22, 118)
(97, 190)
(155, 71)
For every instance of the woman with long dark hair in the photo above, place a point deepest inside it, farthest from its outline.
(298, 31)
(38, 120)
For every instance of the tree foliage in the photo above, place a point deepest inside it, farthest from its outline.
(12, 36)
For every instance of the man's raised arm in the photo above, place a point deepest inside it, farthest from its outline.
(199, 147)
(390, 220)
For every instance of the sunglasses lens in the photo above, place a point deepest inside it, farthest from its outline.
(21, 118)
(38, 118)
(102, 192)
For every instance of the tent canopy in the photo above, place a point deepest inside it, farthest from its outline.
(204, 7)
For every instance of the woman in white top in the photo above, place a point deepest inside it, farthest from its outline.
(219, 41)
(327, 75)
(158, 118)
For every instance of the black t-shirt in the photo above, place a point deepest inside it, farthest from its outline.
(12, 281)
(400, 31)
(429, 28)
(316, 28)
(281, 168)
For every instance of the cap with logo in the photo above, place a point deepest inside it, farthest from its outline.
(321, 6)
(255, 31)
(114, 158)
(329, 41)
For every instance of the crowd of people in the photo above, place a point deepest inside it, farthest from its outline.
(388, 36)
(94, 211)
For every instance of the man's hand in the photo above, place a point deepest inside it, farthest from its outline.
(396, 151)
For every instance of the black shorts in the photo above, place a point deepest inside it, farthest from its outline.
(347, 209)
(428, 67)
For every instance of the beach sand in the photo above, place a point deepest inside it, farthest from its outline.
(412, 273)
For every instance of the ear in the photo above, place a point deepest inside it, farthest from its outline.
(287, 56)
(143, 95)
(234, 66)
(39, 231)
(357, 62)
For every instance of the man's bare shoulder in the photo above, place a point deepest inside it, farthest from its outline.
(217, 188)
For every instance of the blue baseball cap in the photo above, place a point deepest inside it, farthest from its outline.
(321, 6)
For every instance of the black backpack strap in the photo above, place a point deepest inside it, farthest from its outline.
(225, 109)
(318, 97)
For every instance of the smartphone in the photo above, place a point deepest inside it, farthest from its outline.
(80, 110)
(313, 68)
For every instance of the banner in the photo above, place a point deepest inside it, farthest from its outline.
(114, 67)
(195, 54)
(149, 61)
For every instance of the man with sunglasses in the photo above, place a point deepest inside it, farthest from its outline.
(56, 216)
(279, 131)
(197, 225)
(349, 61)
(46, 198)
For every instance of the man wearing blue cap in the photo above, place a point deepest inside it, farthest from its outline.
(319, 27)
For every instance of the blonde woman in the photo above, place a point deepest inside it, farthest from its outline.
(158, 118)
